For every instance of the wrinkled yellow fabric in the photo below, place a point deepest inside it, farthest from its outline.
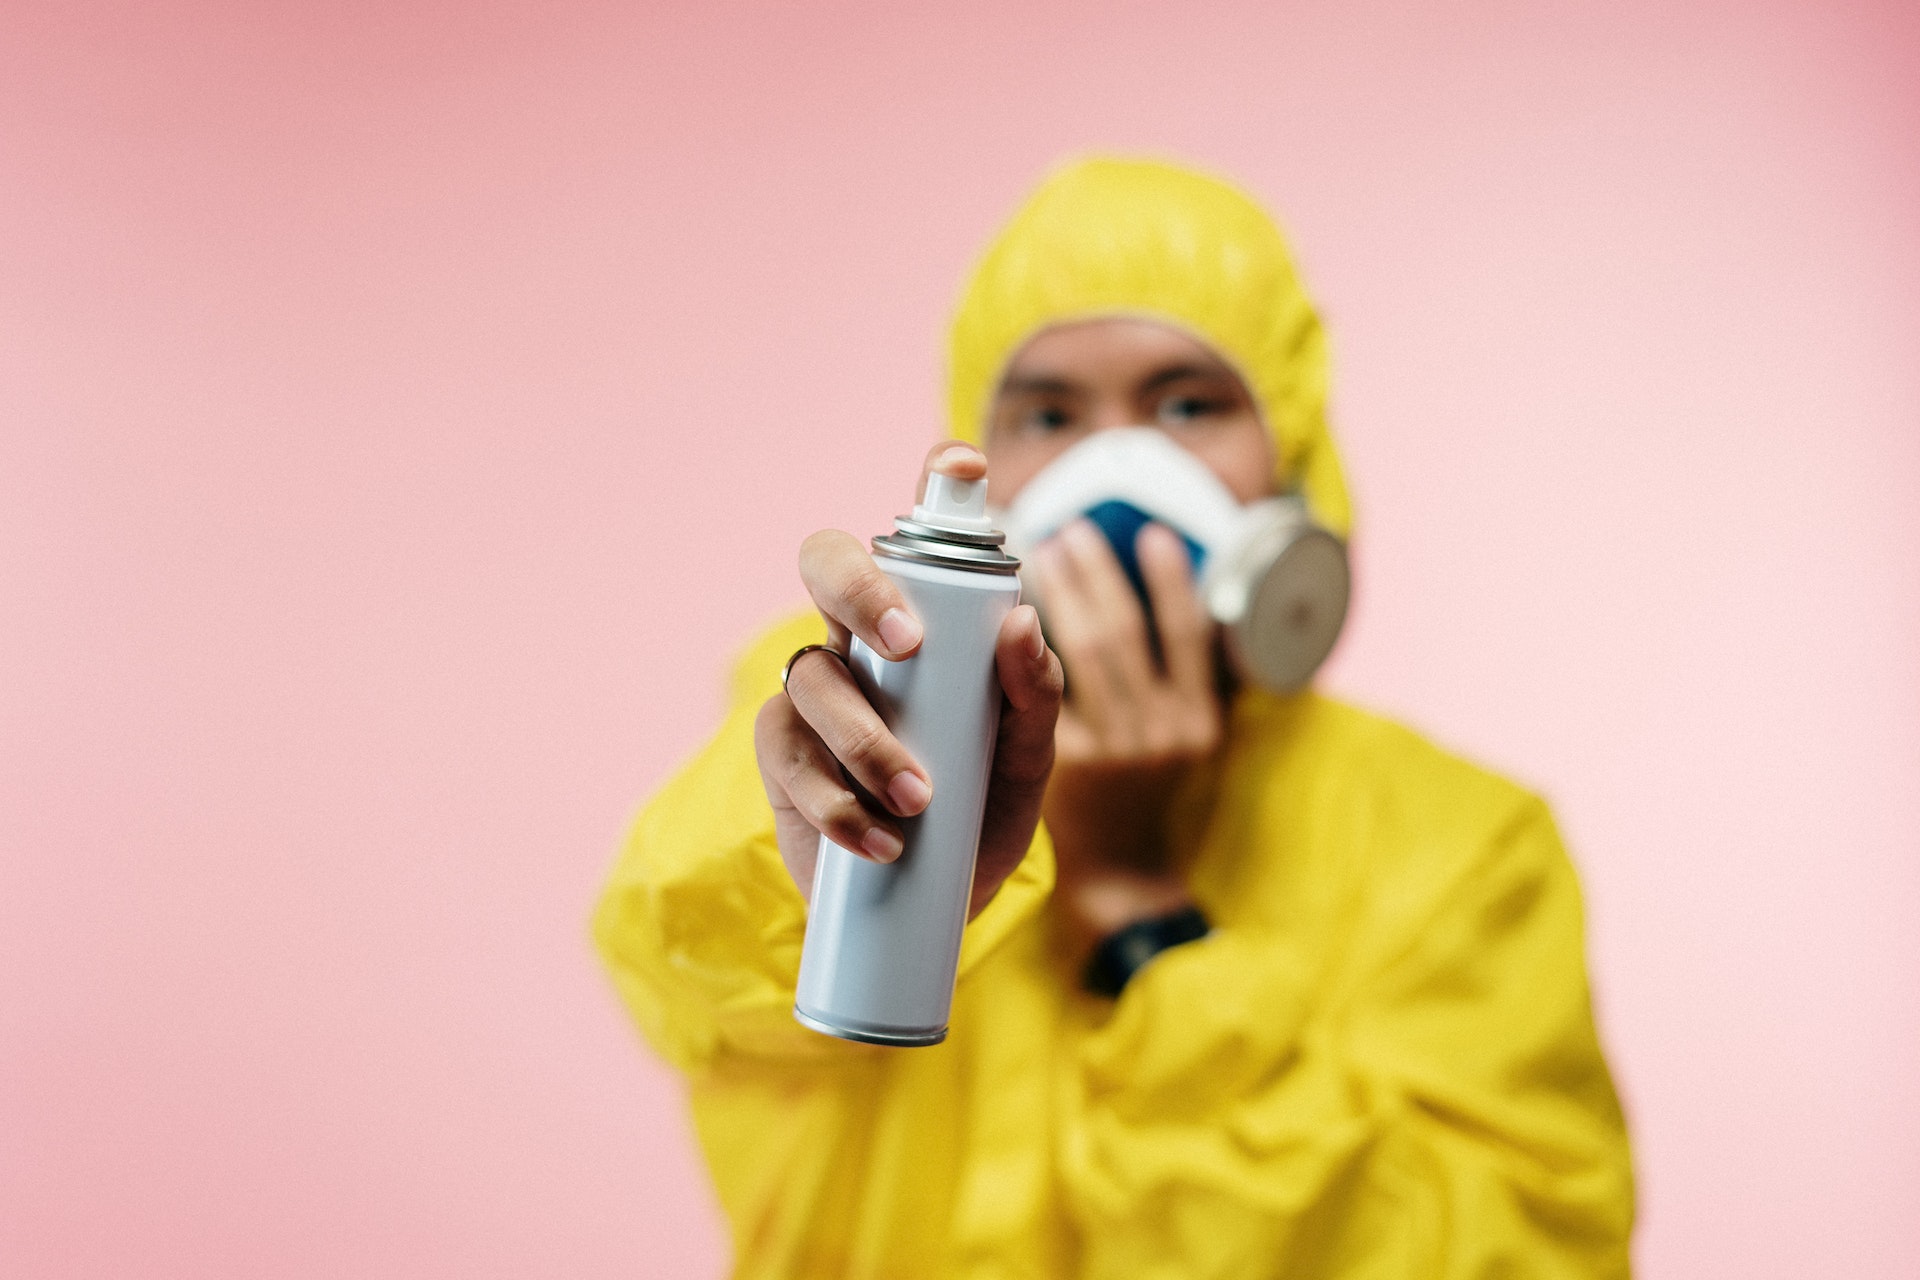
(1381, 1064)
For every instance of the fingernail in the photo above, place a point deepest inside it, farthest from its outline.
(898, 630)
(1080, 533)
(908, 793)
(1036, 639)
(1170, 543)
(959, 453)
(883, 845)
(1059, 553)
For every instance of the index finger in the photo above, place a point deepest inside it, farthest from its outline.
(1186, 630)
(855, 597)
(852, 594)
(955, 458)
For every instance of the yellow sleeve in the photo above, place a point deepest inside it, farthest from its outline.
(1432, 1104)
(700, 923)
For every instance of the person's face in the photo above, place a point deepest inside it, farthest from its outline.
(1072, 380)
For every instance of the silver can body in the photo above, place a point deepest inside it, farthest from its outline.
(883, 942)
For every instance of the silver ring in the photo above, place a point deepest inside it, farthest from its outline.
(809, 648)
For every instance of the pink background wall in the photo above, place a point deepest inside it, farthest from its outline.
(404, 410)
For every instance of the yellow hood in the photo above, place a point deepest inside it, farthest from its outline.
(1143, 238)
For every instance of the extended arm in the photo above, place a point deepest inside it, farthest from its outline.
(1431, 1103)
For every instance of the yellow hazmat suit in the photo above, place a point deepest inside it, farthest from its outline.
(1382, 1063)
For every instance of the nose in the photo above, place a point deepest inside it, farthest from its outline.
(1108, 412)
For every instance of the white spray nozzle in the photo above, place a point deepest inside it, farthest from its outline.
(954, 504)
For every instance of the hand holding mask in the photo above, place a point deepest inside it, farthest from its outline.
(1275, 581)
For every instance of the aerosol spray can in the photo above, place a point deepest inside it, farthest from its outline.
(883, 942)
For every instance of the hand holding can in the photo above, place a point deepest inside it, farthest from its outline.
(850, 793)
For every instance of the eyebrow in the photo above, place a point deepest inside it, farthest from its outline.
(1180, 372)
(1054, 384)
(1037, 384)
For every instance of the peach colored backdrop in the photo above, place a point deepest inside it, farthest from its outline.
(405, 409)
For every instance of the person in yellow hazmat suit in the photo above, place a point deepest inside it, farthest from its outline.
(1376, 1059)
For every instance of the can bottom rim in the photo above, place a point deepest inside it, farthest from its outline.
(898, 1039)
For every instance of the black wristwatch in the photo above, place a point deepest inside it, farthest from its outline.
(1125, 951)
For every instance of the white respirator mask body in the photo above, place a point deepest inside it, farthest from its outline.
(1276, 581)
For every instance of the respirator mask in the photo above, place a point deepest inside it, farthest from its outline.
(1275, 581)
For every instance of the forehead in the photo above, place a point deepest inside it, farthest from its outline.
(1108, 349)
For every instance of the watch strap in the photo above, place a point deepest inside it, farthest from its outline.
(1124, 952)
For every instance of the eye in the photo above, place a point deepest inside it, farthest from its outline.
(1180, 410)
(1047, 419)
